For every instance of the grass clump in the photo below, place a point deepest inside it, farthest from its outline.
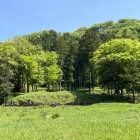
(56, 116)
(43, 114)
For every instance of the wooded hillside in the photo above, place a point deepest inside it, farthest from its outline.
(73, 60)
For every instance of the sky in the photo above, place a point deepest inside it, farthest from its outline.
(20, 17)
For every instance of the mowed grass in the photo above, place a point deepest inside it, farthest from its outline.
(105, 121)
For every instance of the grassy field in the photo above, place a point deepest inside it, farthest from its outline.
(105, 121)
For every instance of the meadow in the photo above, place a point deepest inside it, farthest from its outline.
(102, 121)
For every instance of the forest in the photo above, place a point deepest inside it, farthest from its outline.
(105, 55)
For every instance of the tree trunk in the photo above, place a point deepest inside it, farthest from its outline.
(111, 91)
(70, 87)
(121, 91)
(22, 85)
(32, 88)
(25, 87)
(128, 94)
(48, 86)
(89, 82)
(60, 85)
(36, 86)
(81, 81)
(133, 96)
(116, 91)
(108, 91)
(28, 87)
(75, 87)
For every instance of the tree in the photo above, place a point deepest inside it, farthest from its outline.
(29, 68)
(8, 65)
(117, 64)
(79, 32)
(70, 62)
(87, 45)
(47, 39)
(52, 73)
(29, 71)
(124, 28)
(6, 85)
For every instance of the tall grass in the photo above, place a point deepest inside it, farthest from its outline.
(42, 98)
(110, 121)
(81, 97)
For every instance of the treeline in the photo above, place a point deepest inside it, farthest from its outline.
(59, 60)
(77, 48)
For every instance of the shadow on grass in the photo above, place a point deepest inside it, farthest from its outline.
(83, 98)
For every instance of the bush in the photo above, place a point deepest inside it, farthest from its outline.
(42, 98)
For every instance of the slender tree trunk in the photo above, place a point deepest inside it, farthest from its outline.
(25, 87)
(65, 85)
(75, 87)
(121, 91)
(60, 85)
(4, 99)
(22, 85)
(108, 90)
(89, 82)
(79, 78)
(70, 87)
(36, 86)
(116, 91)
(84, 84)
(111, 91)
(133, 93)
(133, 96)
(79, 82)
(128, 93)
(32, 88)
(48, 86)
(28, 87)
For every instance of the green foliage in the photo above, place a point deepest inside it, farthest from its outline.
(125, 28)
(47, 39)
(70, 60)
(75, 49)
(117, 63)
(80, 32)
(24, 65)
(88, 43)
(30, 61)
(6, 86)
(8, 65)
(103, 26)
(56, 116)
(42, 98)
(52, 73)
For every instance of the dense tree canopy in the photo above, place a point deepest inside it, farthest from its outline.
(23, 64)
(117, 64)
(8, 65)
